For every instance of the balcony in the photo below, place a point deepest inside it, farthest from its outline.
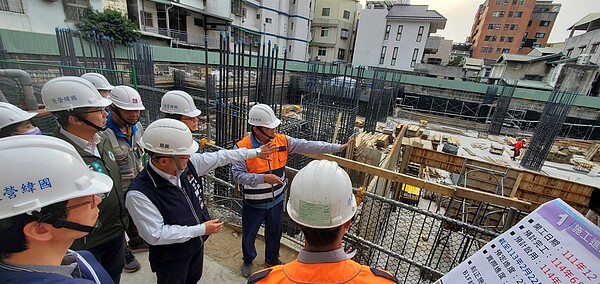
(433, 44)
(183, 37)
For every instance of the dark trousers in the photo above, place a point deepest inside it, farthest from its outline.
(111, 256)
(251, 219)
(179, 271)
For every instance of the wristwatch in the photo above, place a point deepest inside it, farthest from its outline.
(258, 151)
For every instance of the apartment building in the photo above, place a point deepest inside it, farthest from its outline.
(584, 38)
(43, 16)
(396, 35)
(333, 30)
(511, 26)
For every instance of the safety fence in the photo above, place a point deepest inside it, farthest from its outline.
(417, 243)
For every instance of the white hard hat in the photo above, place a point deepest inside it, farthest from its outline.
(31, 182)
(263, 115)
(178, 102)
(98, 80)
(10, 114)
(321, 196)
(170, 137)
(67, 93)
(127, 98)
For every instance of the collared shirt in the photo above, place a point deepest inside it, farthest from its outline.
(88, 146)
(324, 257)
(68, 266)
(149, 221)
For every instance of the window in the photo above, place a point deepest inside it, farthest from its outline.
(544, 23)
(420, 34)
(569, 51)
(484, 49)
(258, 16)
(322, 51)
(386, 36)
(268, 20)
(394, 55)
(518, 14)
(498, 50)
(506, 26)
(537, 44)
(146, 18)
(490, 49)
(514, 27)
(498, 14)
(414, 57)
(490, 38)
(490, 26)
(399, 33)
(382, 56)
(344, 34)
(502, 38)
(510, 14)
(74, 9)
(510, 39)
(582, 49)
(325, 12)
(291, 25)
(514, 2)
(594, 48)
(540, 35)
(346, 14)
(325, 32)
(13, 6)
(341, 54)
(522, 2)
(499, 2)
(506, 50)
(529, 23)
(197, 22)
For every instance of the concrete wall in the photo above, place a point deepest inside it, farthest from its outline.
(577, 78)
(369, 37)
(40, 17)
(443, 52)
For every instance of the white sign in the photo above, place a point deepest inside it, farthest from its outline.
(554, 244)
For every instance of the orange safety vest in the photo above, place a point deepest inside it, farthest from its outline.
(265, 192)
(346, 271)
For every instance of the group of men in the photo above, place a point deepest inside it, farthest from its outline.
(62, 222)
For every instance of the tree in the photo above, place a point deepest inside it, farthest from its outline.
(110, 23)
(457, 61)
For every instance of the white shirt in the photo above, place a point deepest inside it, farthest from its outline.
(148, 220)
(87, 146)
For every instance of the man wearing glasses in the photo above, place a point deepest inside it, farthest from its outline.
(44, 209)
(79, 110)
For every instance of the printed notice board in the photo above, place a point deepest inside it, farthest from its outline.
(554, 244)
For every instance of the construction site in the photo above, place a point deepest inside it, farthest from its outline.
(431, 160)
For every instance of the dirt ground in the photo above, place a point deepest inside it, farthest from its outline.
(226, 248)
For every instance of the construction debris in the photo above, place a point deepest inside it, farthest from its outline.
(413, 131)
(496, 149)
(593, 154)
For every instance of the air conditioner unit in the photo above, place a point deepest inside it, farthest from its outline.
(583, 59)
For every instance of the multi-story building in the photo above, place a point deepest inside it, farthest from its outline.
(333, 29)
(396, 35)
(587, 39)
(511, 26)
(43, 16)
(188, 22)
(441, 56)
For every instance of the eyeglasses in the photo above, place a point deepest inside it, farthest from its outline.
(93, 111)
(93, 202)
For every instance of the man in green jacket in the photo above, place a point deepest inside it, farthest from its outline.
(79, 109)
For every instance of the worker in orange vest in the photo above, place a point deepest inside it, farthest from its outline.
(322, 204)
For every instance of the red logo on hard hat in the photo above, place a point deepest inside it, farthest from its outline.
(135, 101)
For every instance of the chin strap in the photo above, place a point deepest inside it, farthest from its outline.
(264, 133)
(89, 123)
(60, 223)
(116, 110)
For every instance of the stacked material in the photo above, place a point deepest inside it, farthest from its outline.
(593, 154)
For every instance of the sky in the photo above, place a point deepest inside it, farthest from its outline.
(460, 15)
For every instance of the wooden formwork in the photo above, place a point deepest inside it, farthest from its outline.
(530, 186)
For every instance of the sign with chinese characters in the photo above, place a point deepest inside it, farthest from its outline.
(554, 244)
